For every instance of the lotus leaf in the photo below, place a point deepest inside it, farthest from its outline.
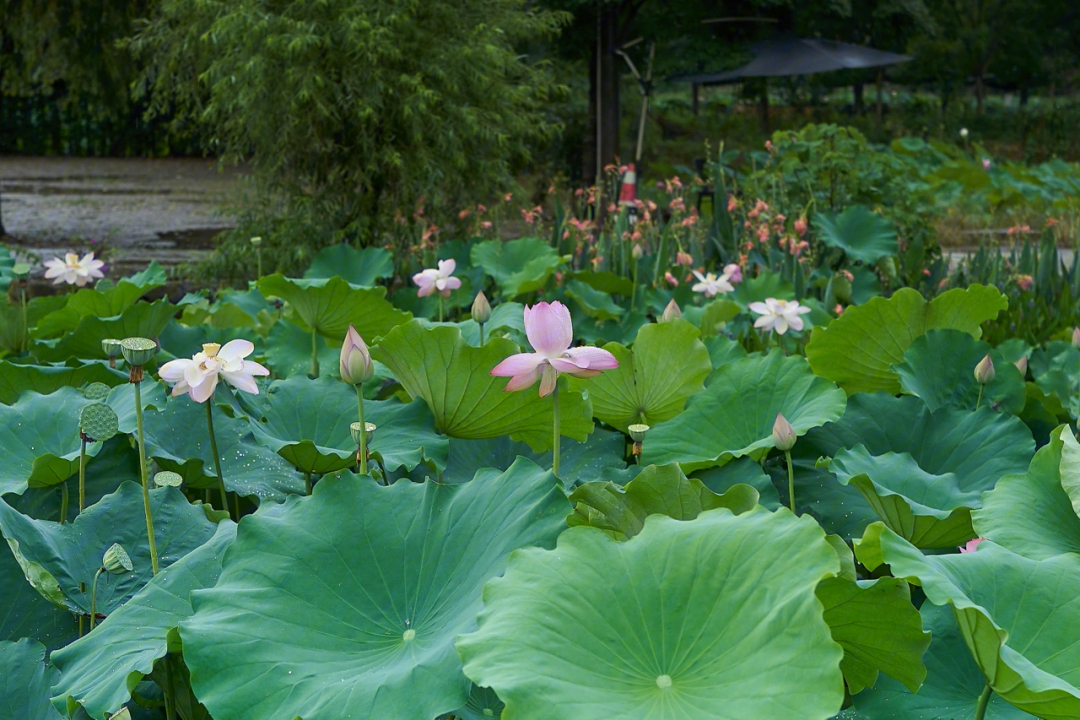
(330, 306)
(362, 268)
(25, 679)
(140, 320)
(45, 379)
(862, 234)
(518, 266)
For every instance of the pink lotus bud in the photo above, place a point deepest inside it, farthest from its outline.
(637, 252)
(1021, 365)
(481, 308)
(1076, 337)
(356, 366)
(970, 545)
(984, 371)
(671, 312)
(734, 273)
(783, 434)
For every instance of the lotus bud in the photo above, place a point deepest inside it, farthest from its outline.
(21, 270)
(783, 434)
(166, 478)
(671, 312)
(481, 308)
(1021, 365)
(1076, 337)
(963, 133)
(124, 714)
(97, 422)
(96, 391)
(137, 351)
(354, 429)
(256, 241)
(111, 348)
(637, 252)
(356, 366)
(984, 371)
(116, 560)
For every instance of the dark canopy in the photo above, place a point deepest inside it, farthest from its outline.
(799, 56)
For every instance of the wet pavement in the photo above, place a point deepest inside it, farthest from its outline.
(167, 210)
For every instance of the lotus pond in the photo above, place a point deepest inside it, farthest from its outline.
(586, 498)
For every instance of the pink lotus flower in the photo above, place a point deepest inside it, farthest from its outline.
(970, 546)
(431, 279)
(779, 315)
(733, 273)
(74, 270)
(199, 376)
(550, 332)
(986, 163)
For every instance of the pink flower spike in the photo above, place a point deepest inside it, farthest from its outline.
(550, 331)
(970, 546)
(199, 376)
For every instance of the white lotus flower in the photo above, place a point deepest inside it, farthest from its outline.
(712, 285)
(199, 376)
(779, 315)
(74, 270)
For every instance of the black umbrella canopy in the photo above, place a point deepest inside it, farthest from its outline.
(799, 56)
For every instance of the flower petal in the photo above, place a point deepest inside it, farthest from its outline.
(595, 358)
(253, 368)
(237, 349)
(520, 364)
(447, 267)
(241, 381)
(759, 307)
(452, 283)
(548, 380)
(520, 382)
(549, 328)
(173, 371)
(203, 392)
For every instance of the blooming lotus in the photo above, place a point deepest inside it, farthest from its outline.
(550, 332)
(779, 315)
(199, 376)
(733, 273)
(440, 279)
(712, 285)
(74, 270)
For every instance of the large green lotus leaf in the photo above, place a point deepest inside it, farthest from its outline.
(939, 367)
(483, 704)
(25, 613)
(60, 560)
(122, 400)
(858, 350)
(657, 490)
(25, 679)
(288, 351)
(862, 234)
(635, 630)
(1019, 617)
(140, 320)
(46, 379)
(99, 670)
(608, 282)
(766, 285)
(593, 302)
(666, 365)
(307, 422)
(518, 266)
(600, 457)
(40, 438)
(1030, 513)
(929, 510)
(741, 471)
(348, 602)
(734, 416)
(454, 380)
(723, 350)
(358, 267)
(178, 439)
(103, 304)
(977, 447)
(1056, 370)
(330, 306)
(953, 682)
(879, 629)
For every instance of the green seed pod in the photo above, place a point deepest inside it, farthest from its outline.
(98, 422)
(255, 241)
(96, 391)
(138, 351)
(116, 560)
(637, 432)
(354, 428)
(21, 271)
(111, 348)
(165, 478)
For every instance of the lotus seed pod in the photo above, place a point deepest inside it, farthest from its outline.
(138, 351)
(111, 348)
(21, 270)
(671, 312)
(124, 714)
(481, 308)
(256, 241)
(165, 478)
(783, 434)
(984, 371)
(96, 391)
(354, 429)
(98, 422)
(116, 560)
(637, 432)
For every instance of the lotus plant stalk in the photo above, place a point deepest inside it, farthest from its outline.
(314, 353)
(82, 474)
(356, 368)
(1076, 344)
(256, 243)
(783, 435)
(22, 274)
(557, 439)
(139, 351)
(217, 459)
(97, 423)
(984, 701)
(63, 502)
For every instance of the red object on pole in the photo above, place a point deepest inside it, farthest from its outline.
(628, 191)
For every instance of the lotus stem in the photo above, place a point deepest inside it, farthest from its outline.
(217, 458)
(482, 334)
(145, 480)
(25, 328)
(258, 262)
(93, 598)
(979, 401)
(440, 311)
(168, 690)
(314, 353)
(63, 502)
(984, 700)
(307, 483)
(82, 476)
(555, 422)
(790, 481)
(363, 427)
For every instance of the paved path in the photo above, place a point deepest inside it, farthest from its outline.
(164, 210)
